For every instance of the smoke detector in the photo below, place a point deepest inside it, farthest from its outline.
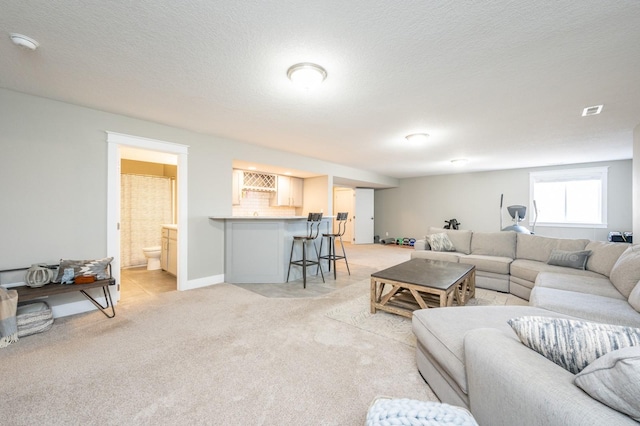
(24, 41)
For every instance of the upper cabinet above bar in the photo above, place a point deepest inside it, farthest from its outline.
(289, 192)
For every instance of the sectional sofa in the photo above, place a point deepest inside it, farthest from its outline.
(471, 356)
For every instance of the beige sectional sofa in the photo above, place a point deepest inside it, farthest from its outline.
(510, 262)
(471, 357)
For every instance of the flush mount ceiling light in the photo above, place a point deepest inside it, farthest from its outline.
(417, 137)
(306, 74)
(24, 41)
(592, 110)
(459, 161)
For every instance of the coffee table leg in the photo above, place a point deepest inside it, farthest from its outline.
(373, 295)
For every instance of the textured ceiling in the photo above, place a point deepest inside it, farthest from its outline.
(501, 83)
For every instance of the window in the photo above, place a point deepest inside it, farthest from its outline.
(576, 197)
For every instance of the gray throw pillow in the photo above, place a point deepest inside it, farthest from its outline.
(572, 344)
(570, 259)
(97, 267)
(440, 242)
(614, 380)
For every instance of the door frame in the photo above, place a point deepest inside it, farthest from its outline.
(114, 142)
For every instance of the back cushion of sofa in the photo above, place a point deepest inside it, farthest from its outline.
(461, 239)
(625, 274)
(604, 255)
(501, 244)
(535, 247)
(634, 297)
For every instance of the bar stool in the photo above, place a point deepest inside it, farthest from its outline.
(313, 221)
(341, 218)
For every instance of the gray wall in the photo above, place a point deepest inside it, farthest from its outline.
(474, 199)
(53, 181)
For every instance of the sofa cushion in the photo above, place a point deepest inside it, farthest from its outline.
(604, 255)
(614, 380)
(502, 244)
(599, 286)
(498, 265)
(447, 256)
(589, 307)
(441, 331)
(461, 239)
(529, 269)
(440, 242)
(634, 297)
(569, 259)
(572, 344)
(535, 247)
(625, 273)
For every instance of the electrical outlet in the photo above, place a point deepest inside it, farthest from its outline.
(386, 234)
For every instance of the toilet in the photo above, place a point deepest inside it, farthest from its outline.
(153, 257)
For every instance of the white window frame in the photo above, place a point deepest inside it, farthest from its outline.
(567, 175)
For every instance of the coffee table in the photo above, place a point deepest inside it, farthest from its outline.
(420, 284)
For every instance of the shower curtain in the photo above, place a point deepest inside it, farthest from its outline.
(145, 207)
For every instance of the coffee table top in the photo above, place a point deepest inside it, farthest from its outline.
(426, 272)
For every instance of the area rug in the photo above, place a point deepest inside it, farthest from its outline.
(357, 312)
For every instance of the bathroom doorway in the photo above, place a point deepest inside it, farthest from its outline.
(147, 151)
(148, 209)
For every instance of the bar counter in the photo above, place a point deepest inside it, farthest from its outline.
(257, 248)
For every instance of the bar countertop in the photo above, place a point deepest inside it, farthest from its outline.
(263, 217)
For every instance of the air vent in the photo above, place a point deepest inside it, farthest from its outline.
(253, 181)
(592, 110)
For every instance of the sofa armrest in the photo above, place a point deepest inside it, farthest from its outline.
(511, 384)
(421, 245)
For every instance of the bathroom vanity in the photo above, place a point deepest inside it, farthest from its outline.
(257, 248)
(169, 254)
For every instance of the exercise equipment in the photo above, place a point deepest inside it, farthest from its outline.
(518, 213)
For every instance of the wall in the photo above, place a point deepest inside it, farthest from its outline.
(474, 199)
(317, 194)
(53, 170)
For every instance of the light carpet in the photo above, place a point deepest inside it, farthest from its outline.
(216, 355)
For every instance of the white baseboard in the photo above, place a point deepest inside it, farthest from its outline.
(204, 282)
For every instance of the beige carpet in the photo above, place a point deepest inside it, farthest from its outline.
(217, 355)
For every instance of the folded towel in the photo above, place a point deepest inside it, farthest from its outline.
(8, 325)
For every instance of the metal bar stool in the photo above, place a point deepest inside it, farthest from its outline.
(313, 221)
(341, 218)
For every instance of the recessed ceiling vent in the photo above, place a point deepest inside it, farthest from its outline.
(592, 110)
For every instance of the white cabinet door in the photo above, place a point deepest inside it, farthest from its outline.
(164, 254)
(172, 266)
(236, 187)
(296, 191)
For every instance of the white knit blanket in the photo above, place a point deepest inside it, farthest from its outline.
(8, 325)
(410, 412)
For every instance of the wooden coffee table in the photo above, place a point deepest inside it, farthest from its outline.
(420, 284)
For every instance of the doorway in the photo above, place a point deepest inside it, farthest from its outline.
(117, 144)
(343, 202)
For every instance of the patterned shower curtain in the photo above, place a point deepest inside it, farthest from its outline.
(145, 207)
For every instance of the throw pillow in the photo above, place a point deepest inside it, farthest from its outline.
(614, 380)
(634, 297)
(440, 242)
(625, 273)
(570, 259)
(96, 267)
(572, 344)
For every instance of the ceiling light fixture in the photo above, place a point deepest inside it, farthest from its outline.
(306, 74)
(417, 137)
(24, 41)
(592, 110)
(459, 161)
